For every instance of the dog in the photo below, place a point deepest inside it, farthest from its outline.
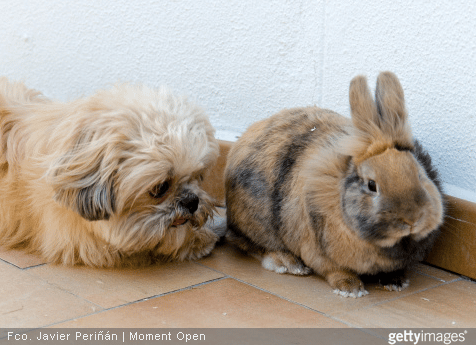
(108, 180)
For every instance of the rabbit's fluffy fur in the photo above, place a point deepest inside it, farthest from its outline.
(308, 189)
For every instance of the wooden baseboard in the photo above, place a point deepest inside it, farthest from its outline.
(455, 249)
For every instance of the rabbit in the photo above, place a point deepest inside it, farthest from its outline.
(309, 190)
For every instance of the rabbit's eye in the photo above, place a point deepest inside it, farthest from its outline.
(372, 186)
(160, 190)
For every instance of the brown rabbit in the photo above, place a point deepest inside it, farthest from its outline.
(310, 189)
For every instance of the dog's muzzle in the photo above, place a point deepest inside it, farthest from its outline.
(190, 202)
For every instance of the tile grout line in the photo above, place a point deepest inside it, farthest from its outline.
(22, 268)
(190, 287)
(12, 264)
(214, 270)
(335, 318)
(226, 276)
(9, 263)
(294, 302)
(416, 270)
(33, 266)
(60, 288)
(91, 302)
(439, 279)
(280, 297)
(404, 296)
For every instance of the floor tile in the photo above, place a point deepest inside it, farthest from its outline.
(225, 303)
(112, 287)
(27, 302)
(436, 273)
(449, 305)
(19, 258)
(311, 291)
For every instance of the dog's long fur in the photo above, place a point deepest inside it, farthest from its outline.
(83, 182)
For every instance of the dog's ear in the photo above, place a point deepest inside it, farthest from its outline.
(83, 179)
(94, 202)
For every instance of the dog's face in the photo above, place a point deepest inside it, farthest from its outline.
(135, 165)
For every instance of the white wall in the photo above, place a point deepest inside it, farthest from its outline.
(244, 60)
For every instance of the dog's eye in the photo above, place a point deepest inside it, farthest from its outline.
(159, 190)
(372, 186)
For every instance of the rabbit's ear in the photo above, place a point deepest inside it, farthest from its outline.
(391, 107)
(383, 122)
(364, 111)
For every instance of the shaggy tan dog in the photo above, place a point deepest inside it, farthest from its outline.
(105, 180)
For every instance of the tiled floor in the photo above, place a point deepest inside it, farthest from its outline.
(224, 290)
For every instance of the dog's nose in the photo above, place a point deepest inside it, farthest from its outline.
(190, 201)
